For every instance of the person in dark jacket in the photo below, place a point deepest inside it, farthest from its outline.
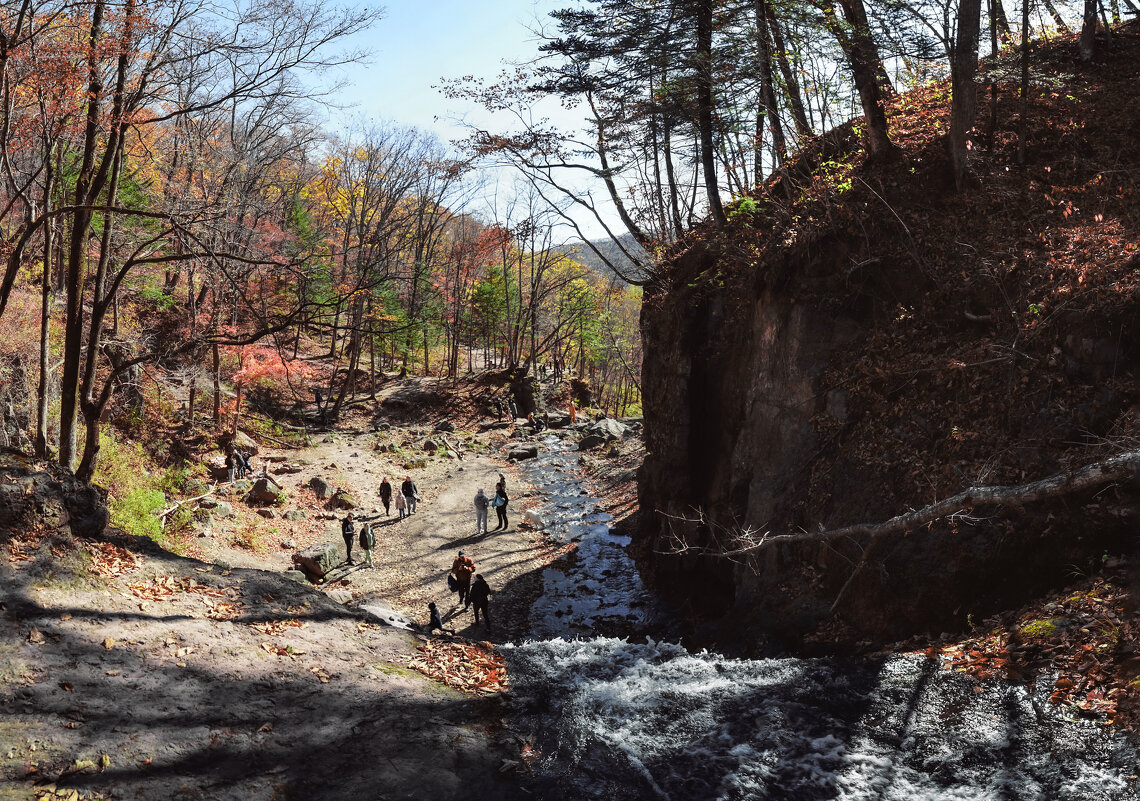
(231, 465)
(436, 621)
(348, 530)
(500, 503)
(367, 543)
(480, 595)
(386, 494)
(410, 493)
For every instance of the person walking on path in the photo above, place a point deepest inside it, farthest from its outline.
(385, 494)
(480, 595)
(401, 505)
(463, 568)
(231, 464)
(481, 504)
(367, 542)
(500, 503)
(348, 531)
(499, 408)
(410, 493)
(246, 467)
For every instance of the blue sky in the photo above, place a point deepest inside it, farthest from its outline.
(420, 42)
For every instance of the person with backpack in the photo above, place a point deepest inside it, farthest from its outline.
(385, 494)
(481, 504)
(246, 467)
(500, 503)
(348, 531)
(367, 542)
(410, 493)
(480, 596)
(463, 568)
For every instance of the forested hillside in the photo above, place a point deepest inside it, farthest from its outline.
(179, 237)
(863, 340)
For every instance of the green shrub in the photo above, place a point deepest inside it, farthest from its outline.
(137, 512)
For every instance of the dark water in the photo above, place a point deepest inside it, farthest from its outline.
(618, 719)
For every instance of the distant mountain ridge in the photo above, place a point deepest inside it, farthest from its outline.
(610, 249)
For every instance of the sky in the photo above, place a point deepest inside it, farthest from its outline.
(418, 43)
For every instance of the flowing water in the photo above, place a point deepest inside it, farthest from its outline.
(615, 718)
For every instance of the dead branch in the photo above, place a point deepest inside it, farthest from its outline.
(165, 513)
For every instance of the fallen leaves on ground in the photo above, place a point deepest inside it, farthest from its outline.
(164, 587)
(468, 667)
(108, 559)
(278, 627)
(1086, 644)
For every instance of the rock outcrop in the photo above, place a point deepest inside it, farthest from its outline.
(756, 421)
(36, 494)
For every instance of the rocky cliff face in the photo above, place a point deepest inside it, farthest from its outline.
(38, 495)
(797, 396)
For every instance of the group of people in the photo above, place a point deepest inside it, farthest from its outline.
(499, 502)
(406, 499)
(237, 464)
(472, 589)
(367, 538)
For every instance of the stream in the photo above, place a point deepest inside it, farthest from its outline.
(618, 711)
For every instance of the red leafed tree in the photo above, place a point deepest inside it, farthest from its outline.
(474, 247)
(262, 364)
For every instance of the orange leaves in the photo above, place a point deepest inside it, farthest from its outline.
(278, 627)
(219, 603)
(467, 667)
(109, 560)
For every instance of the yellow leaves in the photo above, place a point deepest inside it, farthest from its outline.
(321, 675)
(277, 627)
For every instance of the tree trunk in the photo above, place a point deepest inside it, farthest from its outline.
(863, 58)
(963, 70)
(1087, 44)
(1023, 121)
(705, 110)
(795, 95)
(216, 373)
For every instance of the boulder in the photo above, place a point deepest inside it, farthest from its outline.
(289, 544)
(295, 514)
(266, 490)
(386, 615)
(445, 425)
(208, 503)
(341, 499)
(430, 445)
(522, 452)
(558, 419)
(286, 468)
(217, 470)
(340, 595)
(608, 428)
(317, 560)
(534, 519)
(322, 488)
(223, 509)
(268, 514)
(240, 486)
(590, 441)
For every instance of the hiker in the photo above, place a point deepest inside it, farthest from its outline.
(231, 463)
(367, 542)
(246, 467)
(499, 408)
(410, 493)
(481, 504)
(463, 568)
(500, 503)
(385, 495)
(514, 409)
(436, 621)
(401, 505)
(347, 530)
(480, 593)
